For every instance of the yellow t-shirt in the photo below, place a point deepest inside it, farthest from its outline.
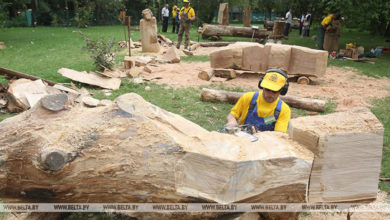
(174, 12)
(264, 109)
(326, 21)
(190, 11)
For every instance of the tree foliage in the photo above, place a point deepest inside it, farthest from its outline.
(367, 15)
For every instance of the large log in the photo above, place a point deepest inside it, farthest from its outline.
(348, 153)
(213, 95)
(133, 151)
(223, 14)
(230, 57)
(210, 30)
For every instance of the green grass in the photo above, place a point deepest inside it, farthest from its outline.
(381, 109)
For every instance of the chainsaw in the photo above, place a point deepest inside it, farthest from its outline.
(240, 131)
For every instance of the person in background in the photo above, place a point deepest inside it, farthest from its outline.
(174, 13)
(264, 110)
(165, 18)
(306, 25)
(322, 28)
(332, 35)
(288, 22)
(301, 24)
(186, 15)
(177, 20)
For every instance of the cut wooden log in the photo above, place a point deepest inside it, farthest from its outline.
(303, 80)
(215, 44)
(225, 73)
(164, 41)
(194, 47)
(91, 78)
(213, 95)
(11, 74)
(348, 153)
(247, 16)
(229, 57)
(255, 58)
(232, 31)
(205, 75)
(307, 61)
(278, 28)
(157, 155)
(223, 14)
(279, 56)
(128, 62)
(24, 93)
(148, 28)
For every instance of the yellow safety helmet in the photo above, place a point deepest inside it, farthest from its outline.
(174, 7)
(186, 1)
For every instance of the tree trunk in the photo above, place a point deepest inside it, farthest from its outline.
(293, 101)
(247, 16)
(223, 14)
(233, 31)
(133, 151)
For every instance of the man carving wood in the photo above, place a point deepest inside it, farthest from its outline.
(264, 110)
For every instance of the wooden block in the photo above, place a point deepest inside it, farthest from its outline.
(205, 75)
(308, 61)
(348, 154)
(225, 73)
(255, 58)
(229, 57)
(128, 62)
(279, 56)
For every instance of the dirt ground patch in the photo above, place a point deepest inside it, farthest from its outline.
(345, 86)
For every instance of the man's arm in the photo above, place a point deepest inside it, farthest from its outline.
(231, 120)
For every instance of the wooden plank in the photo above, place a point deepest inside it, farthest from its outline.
(12, 73)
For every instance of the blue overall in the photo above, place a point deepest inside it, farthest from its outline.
(252, 117)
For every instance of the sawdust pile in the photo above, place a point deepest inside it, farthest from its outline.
(345, 86)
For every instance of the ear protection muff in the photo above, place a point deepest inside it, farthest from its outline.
(284, 89)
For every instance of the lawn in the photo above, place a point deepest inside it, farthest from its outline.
(41, 51)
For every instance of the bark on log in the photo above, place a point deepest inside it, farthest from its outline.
(213, 95)
(247, 16)
(133, 151)
(233, 31)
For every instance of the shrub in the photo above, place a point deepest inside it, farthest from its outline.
(101, 51)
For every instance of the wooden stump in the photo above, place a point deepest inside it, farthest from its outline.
(205, 75)
(225, 73)
(223, 14)
(278, 28)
